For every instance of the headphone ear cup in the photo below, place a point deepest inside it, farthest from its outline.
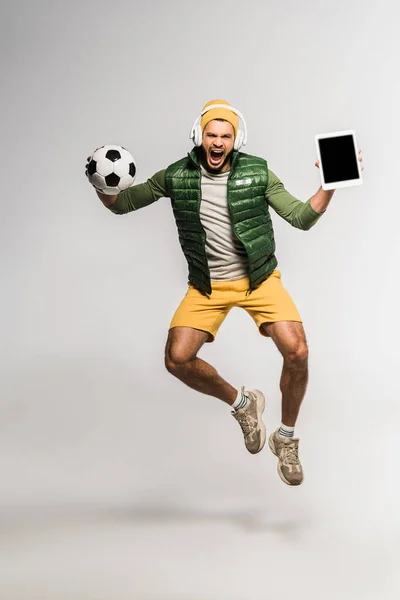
(198, 135)
(239, 140)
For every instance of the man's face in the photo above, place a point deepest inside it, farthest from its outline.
(218, 139)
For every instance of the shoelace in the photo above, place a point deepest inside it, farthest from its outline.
(290, 455)
(247, 423)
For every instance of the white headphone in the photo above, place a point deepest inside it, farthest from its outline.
(196, 134)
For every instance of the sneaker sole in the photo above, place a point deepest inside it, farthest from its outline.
(271, 444)
(260, 410)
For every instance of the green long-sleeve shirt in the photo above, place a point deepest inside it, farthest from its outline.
(297, 213)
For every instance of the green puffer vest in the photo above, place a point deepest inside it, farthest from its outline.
(251, 221)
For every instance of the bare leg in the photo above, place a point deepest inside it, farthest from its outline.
(181, 361)
(290, 340)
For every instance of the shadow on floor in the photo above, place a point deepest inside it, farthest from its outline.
(252, 520)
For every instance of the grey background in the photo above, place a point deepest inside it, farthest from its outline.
(117, 481)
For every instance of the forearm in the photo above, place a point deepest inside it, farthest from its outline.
(321, 199)
(301, 215)
(137, 196)
(131, 199)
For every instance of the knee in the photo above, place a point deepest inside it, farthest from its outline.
(297, 357)
(176, 359)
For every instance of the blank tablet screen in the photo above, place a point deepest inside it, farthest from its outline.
(338, 158)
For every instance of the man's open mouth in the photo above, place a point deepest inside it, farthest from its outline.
(216, 156)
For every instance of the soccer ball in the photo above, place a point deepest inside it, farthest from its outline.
(111, 169)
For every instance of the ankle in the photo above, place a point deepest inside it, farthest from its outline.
(285, 431)
(241, 400)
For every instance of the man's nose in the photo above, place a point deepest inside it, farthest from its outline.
(218, 142)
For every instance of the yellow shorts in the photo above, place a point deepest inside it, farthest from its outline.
(269, 303)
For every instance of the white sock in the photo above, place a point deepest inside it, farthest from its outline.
(285, 431)
(240, 402)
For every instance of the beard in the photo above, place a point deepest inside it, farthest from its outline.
(215, 170)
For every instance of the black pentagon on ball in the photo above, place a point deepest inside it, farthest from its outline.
(113, 155)
(112, 180)
(132, 169)
(92, 167)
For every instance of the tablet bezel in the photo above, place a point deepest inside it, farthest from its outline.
(338, 184)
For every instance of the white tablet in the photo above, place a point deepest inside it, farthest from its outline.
(338, 159)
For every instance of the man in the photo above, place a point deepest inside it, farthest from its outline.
(220, 199)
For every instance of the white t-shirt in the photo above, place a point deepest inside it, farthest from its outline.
(227, 257)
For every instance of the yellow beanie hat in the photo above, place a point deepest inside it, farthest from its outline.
(220, 113)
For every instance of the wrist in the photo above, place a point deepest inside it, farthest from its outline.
(320, 201)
